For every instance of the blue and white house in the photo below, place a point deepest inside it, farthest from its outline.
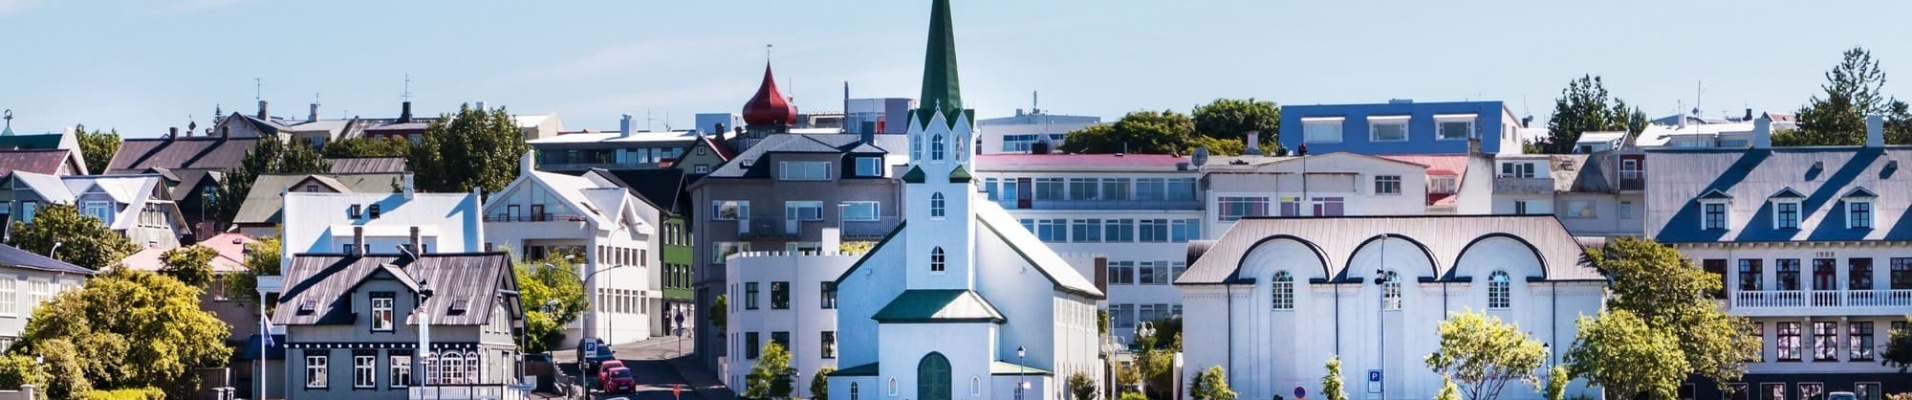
(1400, 127)
(960, 300)
(1814, 245)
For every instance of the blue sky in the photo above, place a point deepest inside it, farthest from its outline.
(142, 66)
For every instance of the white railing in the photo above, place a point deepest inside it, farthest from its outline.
(471, 392)
(1821, 298)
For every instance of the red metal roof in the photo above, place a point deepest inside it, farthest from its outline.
(45, 161)
(769, 107)
(1439, 165)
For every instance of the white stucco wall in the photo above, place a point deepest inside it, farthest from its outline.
(806, 319)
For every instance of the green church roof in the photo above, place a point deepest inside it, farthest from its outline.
(915, 175)
(942, 92)
(959, 175)
(939, 305)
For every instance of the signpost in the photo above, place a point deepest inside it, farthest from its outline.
(1374, 381)
(1301, 394)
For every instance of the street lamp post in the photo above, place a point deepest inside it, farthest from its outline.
(590, 296)
(1022, 376)
(1144, 329)
(1381, 280)
(52, 253)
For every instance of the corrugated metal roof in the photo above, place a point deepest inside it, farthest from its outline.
(367, 165)
(999, 367)
(324, 279)
(1748, 178)
(265, 200)
(894, 145)
(1005, 226)
(1444, 238)
(932, 306)
(15, 257)
(43, 161)
(143, 155)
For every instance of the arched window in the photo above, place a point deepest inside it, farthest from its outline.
(449, 366)
(1499, 290)
(1282, 292)
(892, 386)
(1391, 291)
(936, 259)
(936, 148)
(474, 372)
(975, 386)
(936, 205)
(853, 391)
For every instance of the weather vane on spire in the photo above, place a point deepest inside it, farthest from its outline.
(9, 118)
(766, 51)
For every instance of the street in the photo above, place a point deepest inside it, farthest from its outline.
(650, 361)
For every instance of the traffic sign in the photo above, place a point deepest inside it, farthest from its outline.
(1374, 381)
(1300, 393)
(590, 349)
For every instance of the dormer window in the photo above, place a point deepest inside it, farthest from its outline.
(1786, 209)
(382, 305)
(869, 167)
(1713, 210)
(1454, 126)
(352, 211)
(1859, 208)
(1387, 128)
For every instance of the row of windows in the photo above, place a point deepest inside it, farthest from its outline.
(1281, 295)
(19, 297)
(1011, 190)
(937, 148)
(447, 368)
(1145, 272)
(1789, 344)
(1125, 316)
(1234, 208)
(1786, 214)
(637, 156)
(1777, 391)
(780, 295)
(1387, 128)
(1114, 230)
(1825, 273)
(751, 347)
(801, 210)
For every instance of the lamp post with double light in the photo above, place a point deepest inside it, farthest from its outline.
(1381, 280)
(1022, 375)
(590, 295)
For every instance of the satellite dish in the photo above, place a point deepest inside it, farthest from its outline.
(1200, 157)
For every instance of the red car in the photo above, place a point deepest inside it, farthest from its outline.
(604, 368)
(618, 380)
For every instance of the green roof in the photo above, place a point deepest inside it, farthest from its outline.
(860, 370)
(941, 91)
(31, 142)
(1009, 368)
(915, 175)
(959, 175)
(938, 306)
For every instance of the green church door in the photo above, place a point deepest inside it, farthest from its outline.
(932, 378)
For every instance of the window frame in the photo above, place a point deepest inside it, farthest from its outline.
(1375, 122)
(1715, 216)
(800, 207)
(938, 261)
(389, 311)
(741, 209)
(364, 372)
(400, 370)
(1391, 292)
(1281, 291)
(1860, 339)
(1786, 214)
(1500, 293)
(1387, 185)
(1859, 214)
(317, 373)
(1441, 122)
(869, 167)
(938, 206)
(1315, 129)
(803, 170)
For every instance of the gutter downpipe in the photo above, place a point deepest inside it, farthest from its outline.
(1337, 316)
(1554, 338)
(1230, 296)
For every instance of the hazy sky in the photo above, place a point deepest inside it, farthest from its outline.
(142, 66)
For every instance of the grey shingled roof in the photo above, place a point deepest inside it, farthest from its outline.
(804, 143)
(14, 257)
(142, 155)
(1444, 237)
(1747, 178)
(475, 278)
(265, 201)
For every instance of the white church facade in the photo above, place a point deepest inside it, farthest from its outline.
(961, 300)
(1273, 299)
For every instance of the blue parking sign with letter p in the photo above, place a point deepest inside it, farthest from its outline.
(1374, 375)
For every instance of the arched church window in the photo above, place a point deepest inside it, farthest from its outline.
(936, 259)
(1282, 292)
(916, 148)
(936, 204)
(1391, 291)
(1499, 291)
(936, 148)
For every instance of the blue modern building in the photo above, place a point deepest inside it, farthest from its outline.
(1401, 127)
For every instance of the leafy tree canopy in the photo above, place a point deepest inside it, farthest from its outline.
(1623, 354)
(368, 147)
(128, 329)
(1484, 354)
(1221, 126)
(84, 241)
(262, 259)
(97, 148)
(268, 157)
(471, 149)
(1853, 90)
(1898, 348)
(1082, 386)
(1232, 119)
(1212, 384)
(1331, 385)
(820, 384)
(1659, 285)
(553, 297)
(191, 265)
(770, 378)
(1585, 106)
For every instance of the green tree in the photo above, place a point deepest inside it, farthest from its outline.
(1133, 396)
(820, 384)
(267, 157)
(1659, 285)
(1139, 132)
(1585, 106)
(18, 369)
(1331, 383)
(1127, 377)
(719, 312)
(553, 297)
(1083, 386)
(1898, 348)
(1102, 323)
(770, 378)
(1448, 390)
(191, 265)
(1622, 353)
(471, 149)
(1212, 384)
(97, 148)
(368, 147)
(1556, 386)
(1484, 354)
(262, 259)
(128, 329)
(1853, 90)
(84, 241)
(1232, 119)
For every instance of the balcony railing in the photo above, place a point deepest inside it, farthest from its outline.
(875, 229)
(533, 218)
(1831, 302)
(768, 227)
(470, 392)
(1189, 205)
(1513, 185)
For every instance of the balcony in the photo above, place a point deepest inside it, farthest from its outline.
(534, 218)
(768, 228)
(1515, 185)
(869, 230)
(1171, 205)
(1778, 303)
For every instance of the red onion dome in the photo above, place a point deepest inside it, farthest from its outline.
(769, 107)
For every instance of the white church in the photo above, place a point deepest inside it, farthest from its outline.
(960, 301)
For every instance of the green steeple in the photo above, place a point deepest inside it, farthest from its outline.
(941, 92)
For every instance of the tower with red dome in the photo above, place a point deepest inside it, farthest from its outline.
(768, 112)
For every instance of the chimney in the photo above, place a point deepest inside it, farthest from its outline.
(624, 126)
(172, 132)
(1252, 147)
(528, 163)
(408, 186)
(481, 106)
(1527, 122)
(416, 250)
(405, 112)
(262, 111)
(718, 131)
(1749, 115)
(314, 117)
(1763, 132)
(867, 136)
(1102, 274)
(358, 241)
(1875, 131)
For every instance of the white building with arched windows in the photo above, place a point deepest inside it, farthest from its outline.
(1273, 299)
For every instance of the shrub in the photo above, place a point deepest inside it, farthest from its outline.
(1133, 396)
(145, 393)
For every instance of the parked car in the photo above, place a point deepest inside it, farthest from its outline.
(604, 368)
(619, 380)
(1842, 396)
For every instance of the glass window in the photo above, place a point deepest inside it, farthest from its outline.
(1788, 343)
(1115, 188)
(861, 210)
(1387, 184)
(936, 260)
(1626, 210)
(1859, 274)
(1901, 274)
(1859, 214)
(1717, 269)
(805, 170)
(1812, 391)
(1441, 184)
(1758, 334)
(1282, 291)
(1454, 130)
(1825, 341)
(8, 302)
(1053, 230)
(936, 205)
(1235, 208)
(1715, 216)
(1788, 274)
(1049, 189)
(1391, 291)
(1773, 391)
(315, 370)
(1867, 390)
(750, 296)
(1121, 272)
(1122, 315)
(1750, 277)
(1499, 291)
(803, 210)
(382, 311)
(869, 166)
(729, 210)
(1118, 230)
(1150, 189)
(100, 210)
(1181, 189)
(1329, 206)
(936, 148)
(401, 371)
(779, 295)
(1860, 336)
(364, 371)
(1086, 230)
(1327, 130)
(828, 293)
(1185, 230)
(1786, 215)
(1580, 209)
(750, 346)
(1083, 188)
(828, 345)
(1154, 231)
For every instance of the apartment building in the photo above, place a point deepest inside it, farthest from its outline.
(1402, 126)
(611, 233)
(1325, 185)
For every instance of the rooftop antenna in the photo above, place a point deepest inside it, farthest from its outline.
(407, 95)
(1699, 89)
(1035, 102)
(258, 89)
(648, 119)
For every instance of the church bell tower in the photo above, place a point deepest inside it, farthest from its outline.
(942, 227)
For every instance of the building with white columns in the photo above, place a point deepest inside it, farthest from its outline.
(1280, 296)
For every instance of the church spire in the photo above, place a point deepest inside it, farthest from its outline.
(940, 89)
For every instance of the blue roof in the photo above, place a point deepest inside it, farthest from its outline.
(1824, 180)
(14, 257)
